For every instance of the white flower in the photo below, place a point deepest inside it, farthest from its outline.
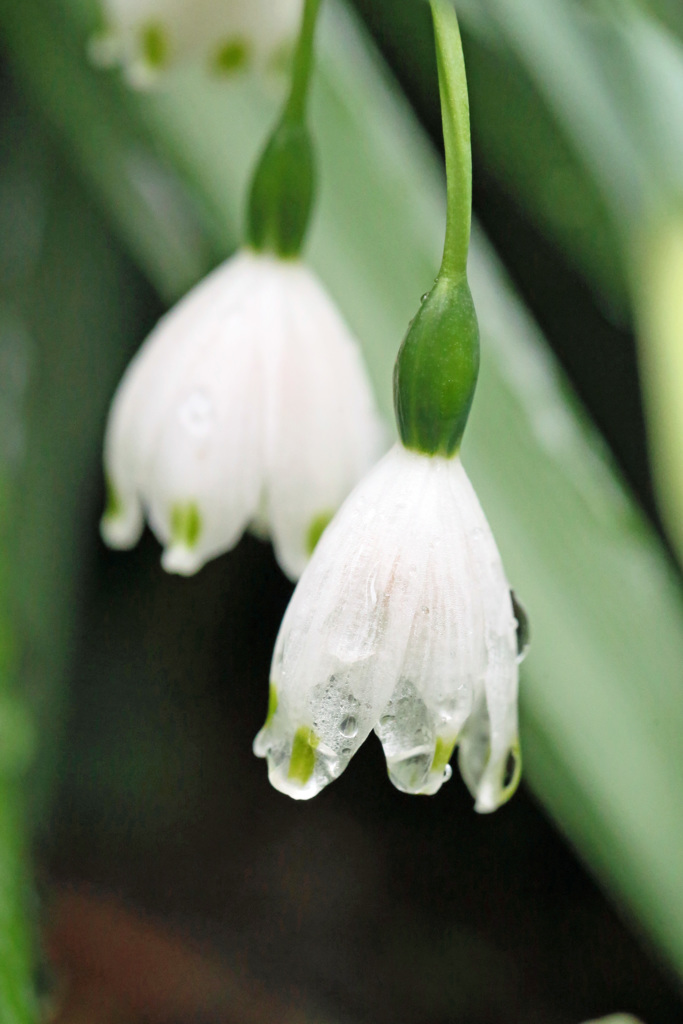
(148, 36)
(248, 405)
(403, 622)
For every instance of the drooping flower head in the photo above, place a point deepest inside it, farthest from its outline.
(403, 621)
(249, 405)
(147, 37)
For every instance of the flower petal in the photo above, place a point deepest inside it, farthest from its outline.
(148, 36)
(209, 452)
(445, 654)
(489, 750)
(323, 431)
(343, 637)
(171, 403)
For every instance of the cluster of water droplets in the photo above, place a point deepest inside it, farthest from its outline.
(417, 737)
(302, 760)
(408, 737)
(336, 713)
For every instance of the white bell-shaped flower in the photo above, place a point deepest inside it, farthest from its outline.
(404, 623)
(248, 406)
(146, 37)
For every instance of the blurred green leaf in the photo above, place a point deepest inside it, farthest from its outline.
(557, 44)
(17, 997)
(669, 12)
(65, 302)
(602, 700)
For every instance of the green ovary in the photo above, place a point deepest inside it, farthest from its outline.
(232, 55)
(316, 529)
(302, 761)
(442, 753)
(272, 706)
(186, 525)
(114, 506)
(154, 44)
(513, 768)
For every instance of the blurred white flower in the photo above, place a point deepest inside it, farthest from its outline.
(148, 36)
(248, 406)
(403, 622)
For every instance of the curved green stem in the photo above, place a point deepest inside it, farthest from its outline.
(295, 109)
(438, 362)
(283, 186)
(455, 113)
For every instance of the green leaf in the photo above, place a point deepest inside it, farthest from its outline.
(66, 303)
(18, 1003)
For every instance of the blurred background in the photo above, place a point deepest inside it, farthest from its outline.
(147, 870)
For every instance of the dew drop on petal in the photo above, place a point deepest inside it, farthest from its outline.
(408, 740)
(348, 726)
(409, 773)
(196, 414)
(336, 712)
(447, 773)
(523, 629)
(300, 765)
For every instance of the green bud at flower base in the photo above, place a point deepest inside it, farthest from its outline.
(282, 191)
(436, 370)
(283, 186)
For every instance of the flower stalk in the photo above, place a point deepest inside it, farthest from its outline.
(438, 363)
(455, 117)
(283, 186)
(295, 108)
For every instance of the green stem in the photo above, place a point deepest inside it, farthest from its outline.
(438, 362)
(283, 186)
(455, 113)
(295, 109)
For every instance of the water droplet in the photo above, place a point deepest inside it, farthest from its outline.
(386, 722)
(346, 751)
(523, 629)
(196, 413)
(447, 773)
(410, 773)
(424, 297)
(348, 726)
